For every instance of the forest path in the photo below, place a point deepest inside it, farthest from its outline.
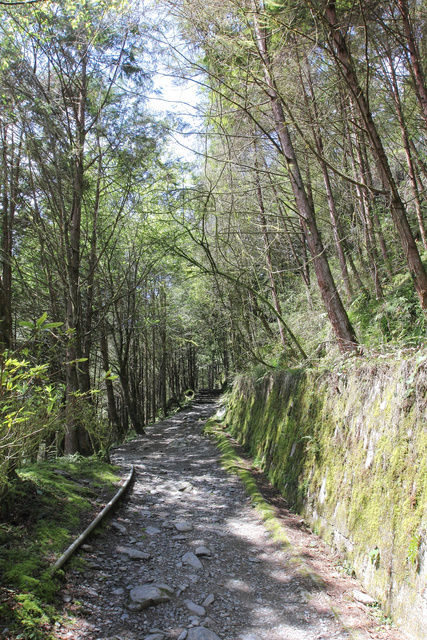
(187, 538)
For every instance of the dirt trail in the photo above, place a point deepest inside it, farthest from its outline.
(187, 557)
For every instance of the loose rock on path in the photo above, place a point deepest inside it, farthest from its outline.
(186, 557)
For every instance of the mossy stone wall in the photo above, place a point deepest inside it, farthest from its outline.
(347, 449)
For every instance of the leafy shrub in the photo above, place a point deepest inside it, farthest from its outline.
(30, 407)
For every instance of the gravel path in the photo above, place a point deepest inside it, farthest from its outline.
(187, 557)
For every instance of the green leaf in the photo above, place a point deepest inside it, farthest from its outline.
(28, 325)
(41, 320)
(78, 360)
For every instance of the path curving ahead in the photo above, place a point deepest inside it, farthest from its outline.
(187, 557)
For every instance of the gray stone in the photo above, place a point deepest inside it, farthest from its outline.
(195, 608)
(152, 531)
(363, 597)
(249, 636)
(64, 474)
(155, 636)
(184, 485)
(183, 526)
(183, 635)
(118, 592)
(202, 551)
(134, 554)
(208, 622)
(201, 633)
(209, 600)
(119, 527)
(192, 560)
(164, 587)
(147, 595)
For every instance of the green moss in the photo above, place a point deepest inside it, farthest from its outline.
(351, 444)
(52, 503)
(235, 464)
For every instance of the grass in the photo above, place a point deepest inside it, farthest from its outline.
(48, 506)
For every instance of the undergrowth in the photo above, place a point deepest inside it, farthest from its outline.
(389, 325)
(48, 505)
(396, 318)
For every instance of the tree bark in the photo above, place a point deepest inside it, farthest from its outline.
(111, 401)
(407, 147)
(76, 439)
(267, 249)
(337, 314)
(328, 187)
(339, 46)
(417, 72)
(10, 180)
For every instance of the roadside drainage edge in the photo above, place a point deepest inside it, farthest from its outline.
(101, 515)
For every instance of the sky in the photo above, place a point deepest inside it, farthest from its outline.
(183, 102)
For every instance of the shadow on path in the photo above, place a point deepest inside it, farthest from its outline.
(249, 586)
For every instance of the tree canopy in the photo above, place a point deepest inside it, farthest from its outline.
(131, 276)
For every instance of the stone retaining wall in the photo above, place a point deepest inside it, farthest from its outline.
(348, 450)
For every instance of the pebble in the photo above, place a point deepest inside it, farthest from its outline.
(119, 527)
(134, 554)
(164, 587)
(364, 598)
(183, 526)
(184, 486)
(201, 633)
(202, 551)
(208, 622)
(195, 608)
(147, 595)
(209, 600)
(191, 559)
(152, 531)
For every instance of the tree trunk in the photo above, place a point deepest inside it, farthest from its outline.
(415, 265)
(407, 147)
(328, 187)
(76, 439)
(130, 403)
(10, 178)
(111, 402)
(417, 72)
(267, 250)
(338, 317)
(163, 352)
